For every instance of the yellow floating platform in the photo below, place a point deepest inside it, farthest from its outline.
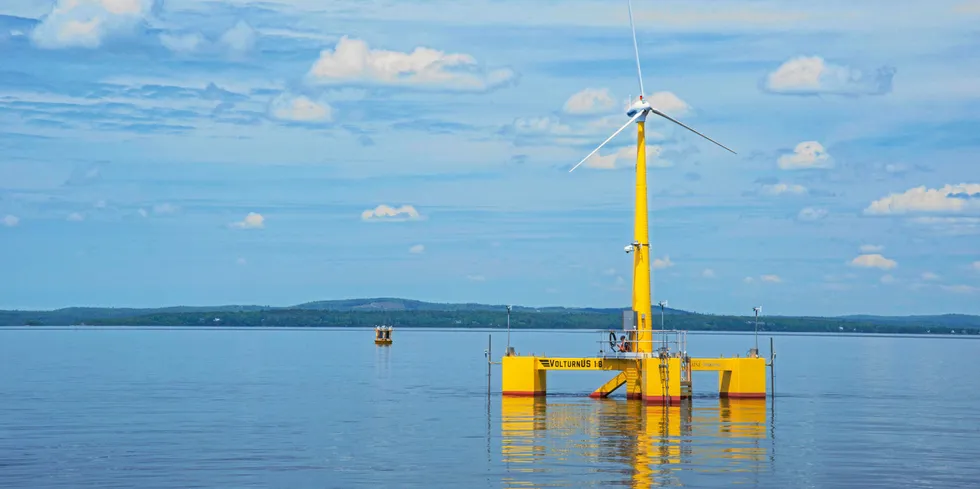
(657, 380)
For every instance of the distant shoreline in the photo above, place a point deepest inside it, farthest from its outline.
(923, 335)
(405, 314)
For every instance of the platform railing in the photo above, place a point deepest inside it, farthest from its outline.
(669, 342)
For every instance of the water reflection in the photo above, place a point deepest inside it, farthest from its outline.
(618, 442)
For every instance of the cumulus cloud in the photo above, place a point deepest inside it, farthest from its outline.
(299, 109)
(252, 221)
(385, 212)
(661, 263)
(873, 260)
(353, 61)
(240, 38)
(182, 43)
(75, 217)
(626, 158)
(808, 154)
(785, 188)
(768, 278)
(237, 40)
(961, 289)
(10, 221)
(708, 273)
(417, 249)
(165, 208)
(968, 7)
(869, 248)
(949, 198)
(811, 214)
(668, 103)
(812, 75)
(87, 23)
(589, 101)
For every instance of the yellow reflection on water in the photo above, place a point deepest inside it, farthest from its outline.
(622, 442)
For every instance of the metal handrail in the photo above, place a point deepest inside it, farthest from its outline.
(669, 340)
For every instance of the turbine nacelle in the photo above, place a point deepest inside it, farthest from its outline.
(638, 106)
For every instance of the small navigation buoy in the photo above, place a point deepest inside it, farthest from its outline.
(382, 335)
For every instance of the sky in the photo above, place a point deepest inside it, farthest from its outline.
(204, 152)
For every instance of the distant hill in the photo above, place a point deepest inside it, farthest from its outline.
(395, 304)
(943, 320)
(410, 313)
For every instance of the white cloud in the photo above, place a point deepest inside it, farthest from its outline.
(949, 198)
(811, 214)
(968, 7)
(626, 158)
(929, 276)
(240, 38)
(874, 260)
(785, 188)
(75, 217)
(661, 263)
(589, 101)
(417, 249)
(164, 208)
(708, 273)
(236, 41)
(808, 154)
(668, 103)
(87, 23)
(870, 248)
(476, 278)
(768, 278)
(609, 271)
(961, 289)
(241, 261)
(185, 43)
(975, 266)
(811, 75)
(300, 109)
(10, 221)
(887, 279)
(143, 212)
(385, 212)
(252, 221)
(352, 60)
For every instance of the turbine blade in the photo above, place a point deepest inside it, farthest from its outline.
(636, 50)
(675, 121)
(635, 117)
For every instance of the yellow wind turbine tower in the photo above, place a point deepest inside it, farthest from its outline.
(640, 247)
(649, 370)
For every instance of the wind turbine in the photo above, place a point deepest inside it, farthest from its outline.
(638, 112)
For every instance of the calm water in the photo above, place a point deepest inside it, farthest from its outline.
(327, 408)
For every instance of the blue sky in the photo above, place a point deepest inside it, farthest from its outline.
(273, 152)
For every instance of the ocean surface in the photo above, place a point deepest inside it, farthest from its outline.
(325, 408)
